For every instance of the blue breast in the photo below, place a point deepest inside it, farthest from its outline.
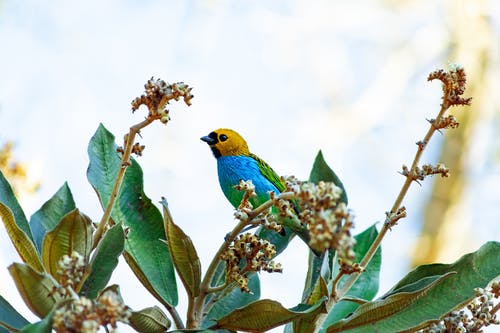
(232, 169)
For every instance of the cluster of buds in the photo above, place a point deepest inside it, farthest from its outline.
(245, 206)
(453, 85)
(285, 207)
(157, 95)
(269, 222)
(445, 122)
(426, 170)
(248, 253)
(86, 315)
(327, 218)
(71, 270)
(480, 312)
(349, 268)
(137, 149)
(392, 218)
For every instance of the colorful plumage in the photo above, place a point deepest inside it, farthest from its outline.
(235, 162)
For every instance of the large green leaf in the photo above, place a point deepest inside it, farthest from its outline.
(73, 233)
(104, 261)
(36, 289)
(183, 253)
(9, 199)
(51, 212)
(148, 257)
(9, 317)
(447, 287)
(266, 314)
(231, 298)
(321, 171)
(378, 310)
(21, 241)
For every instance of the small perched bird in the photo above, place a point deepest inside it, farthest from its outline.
(235, 162)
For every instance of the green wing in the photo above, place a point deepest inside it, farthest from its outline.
(269, 173)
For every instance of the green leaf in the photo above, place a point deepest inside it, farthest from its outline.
(183, 253)
(51, 212)
(150, 320)
(366, 286)
(322, 172)
(307, 324)
(104, 261)
(372, 312)
(319, 291)
(318, 267)
(232, 298)
(21, 241)
(266, 314)
(148, 257)
(43, 326)
(73, 233)
(9, 317)
(36, 289)
(471, 271)
(9, 199)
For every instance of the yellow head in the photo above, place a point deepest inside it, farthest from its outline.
(226, 142)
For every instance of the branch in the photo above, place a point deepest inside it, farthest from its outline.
(196, 311)
(453, 87)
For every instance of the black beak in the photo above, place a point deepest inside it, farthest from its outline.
(209, 140)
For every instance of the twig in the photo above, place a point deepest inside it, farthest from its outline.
(175, 316)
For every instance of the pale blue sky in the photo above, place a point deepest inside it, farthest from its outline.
(291, 76)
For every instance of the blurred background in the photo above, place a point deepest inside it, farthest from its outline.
(293, 77)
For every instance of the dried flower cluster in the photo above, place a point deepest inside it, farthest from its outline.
(453, 85)
(157, 95)
(86, 315)
(137, 149)
(80, 314)
(445, 122)
(479, 313)
(391, 219)
(327, 218)
(71, 270)
(248, 187)
(248, 253)
(426, 170)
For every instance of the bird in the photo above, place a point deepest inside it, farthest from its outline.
(235, 162)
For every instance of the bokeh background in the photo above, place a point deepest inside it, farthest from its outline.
(347, 77)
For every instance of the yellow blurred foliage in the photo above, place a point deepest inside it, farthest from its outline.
(15, 172)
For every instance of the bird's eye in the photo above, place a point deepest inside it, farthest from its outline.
(223, 137)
